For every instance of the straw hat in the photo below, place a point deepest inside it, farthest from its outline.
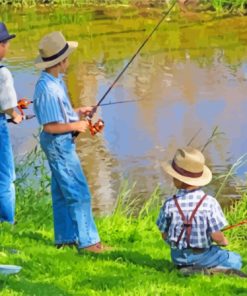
(188, 166)
(53, 49)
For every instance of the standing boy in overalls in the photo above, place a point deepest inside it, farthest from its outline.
(191, 220)
(73, 219)
(8, 101)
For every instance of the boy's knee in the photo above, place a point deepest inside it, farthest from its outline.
(234, 261)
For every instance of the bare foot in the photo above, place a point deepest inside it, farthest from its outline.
(97, 248)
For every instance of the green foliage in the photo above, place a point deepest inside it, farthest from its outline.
(219, 6)
(230, 5)
(138, 265)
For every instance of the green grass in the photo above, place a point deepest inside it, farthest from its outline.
(139, 264)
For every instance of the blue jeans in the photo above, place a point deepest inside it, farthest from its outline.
(71, 198)
(212, 257)
(7, 174)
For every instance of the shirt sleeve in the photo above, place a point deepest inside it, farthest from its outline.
(164, 220)
(216, 217)
(47, 107)
(8, 98)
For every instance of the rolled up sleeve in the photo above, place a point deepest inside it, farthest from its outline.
(8, 98)
(216, 217)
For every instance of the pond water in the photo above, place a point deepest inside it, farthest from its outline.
(189, 78)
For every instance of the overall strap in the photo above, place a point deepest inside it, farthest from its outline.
(187, 223)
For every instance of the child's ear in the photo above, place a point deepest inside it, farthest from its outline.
(178, 184)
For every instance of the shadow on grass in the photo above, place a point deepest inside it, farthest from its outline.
(32, 235)
(13, 283)
(136, 258)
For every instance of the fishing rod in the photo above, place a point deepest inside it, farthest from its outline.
(235, 225)
(99, 125)
(120, 102)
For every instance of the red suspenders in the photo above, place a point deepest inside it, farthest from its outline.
(187, 224)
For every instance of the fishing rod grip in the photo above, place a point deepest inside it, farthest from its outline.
(24, 117)
(75, 135)
(10, 120)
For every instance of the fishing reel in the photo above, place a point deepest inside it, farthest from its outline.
(23, 104)
(96, 127)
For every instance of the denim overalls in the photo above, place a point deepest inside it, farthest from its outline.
(7, 174)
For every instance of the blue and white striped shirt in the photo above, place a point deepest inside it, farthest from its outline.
(209, 218)
(51, 101)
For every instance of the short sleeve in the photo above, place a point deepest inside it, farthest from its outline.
(47, 107)
(8, 98)
(216, 217)
(164, 219)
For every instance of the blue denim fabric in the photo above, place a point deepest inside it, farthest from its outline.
(72, 211)
(212, 257)
(7, 174)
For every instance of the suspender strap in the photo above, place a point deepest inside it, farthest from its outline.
(187, 223)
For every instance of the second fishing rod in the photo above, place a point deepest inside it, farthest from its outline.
(99, 125)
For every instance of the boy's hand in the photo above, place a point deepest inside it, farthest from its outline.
(84, 111)
(17, 118)
(81, 126)
(223, 243)
(164, 235)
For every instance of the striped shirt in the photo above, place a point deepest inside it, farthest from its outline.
(8, 98)
(209, 218)
(51, 101)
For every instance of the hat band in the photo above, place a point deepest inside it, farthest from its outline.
(184, 172)
(57, 55)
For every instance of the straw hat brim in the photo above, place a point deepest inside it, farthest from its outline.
(40, 64)
(200, 181)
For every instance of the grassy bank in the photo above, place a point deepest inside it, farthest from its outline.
(139, 264)
(216, 5)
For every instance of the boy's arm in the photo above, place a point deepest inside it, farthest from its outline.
(219, 238)
(60, 128)
(216, 222)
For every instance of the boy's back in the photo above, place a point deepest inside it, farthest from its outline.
(208, 218)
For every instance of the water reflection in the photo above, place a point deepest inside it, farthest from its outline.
(184, 83)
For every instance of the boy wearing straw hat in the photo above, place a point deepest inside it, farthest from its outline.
(191, 221)
(71, 198)
(8, 101)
